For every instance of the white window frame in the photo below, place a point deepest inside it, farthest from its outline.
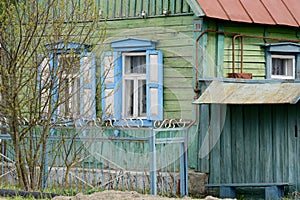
(283, 57)
(135, 78)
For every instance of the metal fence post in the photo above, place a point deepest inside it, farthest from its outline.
(153, 178)
(184, 166)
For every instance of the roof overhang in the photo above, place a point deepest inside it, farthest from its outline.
(250, 93)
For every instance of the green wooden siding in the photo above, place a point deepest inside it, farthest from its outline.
(216, 53)
(258, 143)
(175, 39)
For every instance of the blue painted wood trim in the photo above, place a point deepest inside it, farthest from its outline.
(62, 47)
(159, 84)
(193, 4)
(118, 85)
(285, 48)
(133, 44)
(53, 67)
(103, 85)
(130, 123)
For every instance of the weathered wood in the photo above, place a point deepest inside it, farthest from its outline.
(214, 143)
(265, 130)
(203, 153)
(226, 145)
(238, 129)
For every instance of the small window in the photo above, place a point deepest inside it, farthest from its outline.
(67, 82)
(283, 67)
(134, 85)
(133, 82)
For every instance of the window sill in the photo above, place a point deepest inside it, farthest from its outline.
(134, 123)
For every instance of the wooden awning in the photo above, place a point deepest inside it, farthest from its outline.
(219, 92)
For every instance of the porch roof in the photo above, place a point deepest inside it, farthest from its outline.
(219, 92)
(273, 12)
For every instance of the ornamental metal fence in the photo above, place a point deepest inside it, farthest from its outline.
(144, 160)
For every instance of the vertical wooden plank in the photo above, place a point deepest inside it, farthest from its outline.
(107, 7)
(120, 8)
(166, 4)
(147, 7)
(127, 8)
(161, 5)
(238, 144)
(220, 52)
(292, 137)
(180, 7)
(277, 131)
(284, 144)
(114, 9)
(215, 159)
(134, 8)
(254, 145)
(266, 135)
(153, 5)
(141, 6)
(226, 145)
(249, 141)
(297, 152)
(203, 146)
(173, 7)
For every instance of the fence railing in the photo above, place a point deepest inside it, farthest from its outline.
(155, 163)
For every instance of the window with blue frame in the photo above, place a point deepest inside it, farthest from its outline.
(282, 60)
(68, 77)
(132, 76)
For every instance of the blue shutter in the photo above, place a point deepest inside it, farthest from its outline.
(88, 86)
(111, 90)
(54, 79)
(154, 63)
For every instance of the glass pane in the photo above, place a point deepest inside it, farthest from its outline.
(86, 70)
(128, 98)
(277, 66)
(282, 66)
(109, 102)
(75, 98)
(135, 64)
(142, 98)
(108, 70)
(289, 67)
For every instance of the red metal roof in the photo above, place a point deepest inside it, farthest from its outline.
(273, 12)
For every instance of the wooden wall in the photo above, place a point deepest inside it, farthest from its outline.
(216, 49)
(258, 143)
(175, 39)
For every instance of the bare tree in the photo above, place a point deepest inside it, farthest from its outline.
(42, 45)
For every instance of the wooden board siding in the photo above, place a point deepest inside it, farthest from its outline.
(254, 54)
(175, 39)
(258, 144)
(124, 9)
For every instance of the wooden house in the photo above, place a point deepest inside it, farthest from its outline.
(240, 57)
(248, 62)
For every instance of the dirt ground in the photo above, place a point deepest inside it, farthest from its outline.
(127, 195)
